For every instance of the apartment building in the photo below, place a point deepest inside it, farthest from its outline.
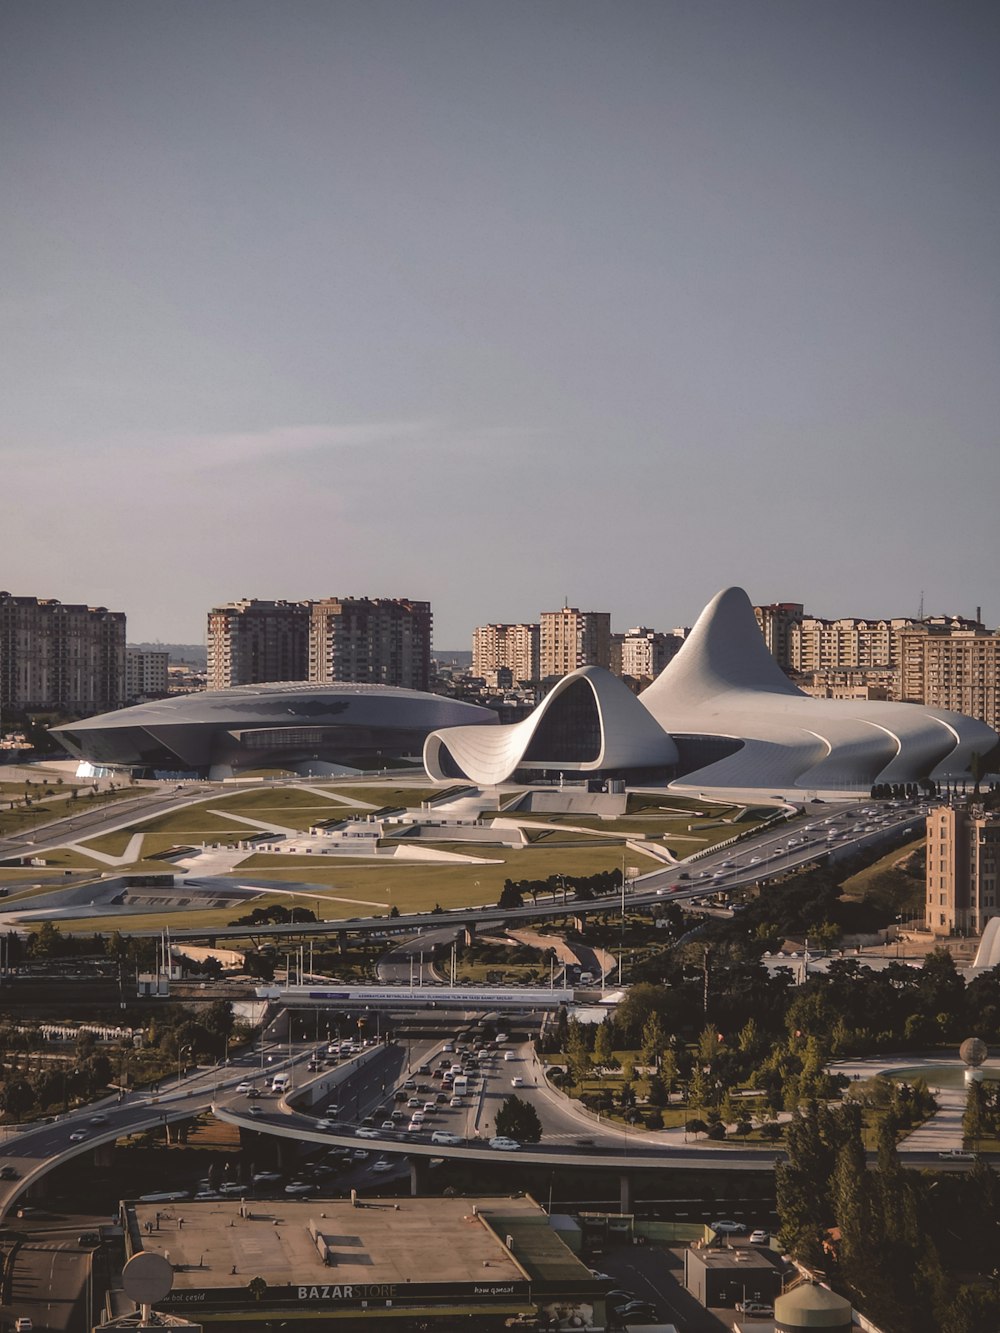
(963, 862)
(645, 652)
(252, 642)
(146, 674)
(56, 657)
(952, 665)
(511, 647)
(570, 638)
(776, 622)
(376, 641)
(830, 645)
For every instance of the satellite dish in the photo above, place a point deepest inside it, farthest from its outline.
(147, 1278)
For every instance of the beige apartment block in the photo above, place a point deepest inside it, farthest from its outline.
(570, 638)
(963, 856)
(146, 673)
(371, 641)
(253, 642)
(954, 668)
(829, 645)
(849, 683)
(60, 657)
(514, 647)
(776, 623)
(645, 652)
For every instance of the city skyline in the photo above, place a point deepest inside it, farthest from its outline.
(501, 306)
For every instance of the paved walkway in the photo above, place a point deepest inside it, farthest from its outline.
(943, 1130)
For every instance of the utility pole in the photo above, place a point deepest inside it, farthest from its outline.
(704, 994)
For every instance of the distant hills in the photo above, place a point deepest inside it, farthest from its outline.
(195, 653)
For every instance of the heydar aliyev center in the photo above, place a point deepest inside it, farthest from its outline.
(721, 715)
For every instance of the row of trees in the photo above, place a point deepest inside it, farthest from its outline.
(891, 1238)
(585, 888)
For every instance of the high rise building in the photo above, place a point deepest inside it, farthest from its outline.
(645, 652)
(953, 665)
(254, 642)
(570, 638)
(56, 657)
(378, 641)
(146, 674)
(515, 647)
(835, 645)
(775, 623)
(963, 862)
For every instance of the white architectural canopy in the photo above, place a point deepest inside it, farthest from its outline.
(721, 715)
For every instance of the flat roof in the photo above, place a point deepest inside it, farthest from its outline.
(396, 1241)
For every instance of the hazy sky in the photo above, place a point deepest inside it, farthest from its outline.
(500, 302)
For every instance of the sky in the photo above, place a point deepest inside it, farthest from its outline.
(500, 304)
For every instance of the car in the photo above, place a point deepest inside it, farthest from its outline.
(99, 1119)
(598, 1276)
(503, 1144)
(414, 1101)
(266, 1177)
(444, 1137)
(457, 1101)
(254, 1110)
(89, 1238)
(9, 1173)
(300, 1187)
(760, 1237)
(254, 1092)
(727, 1228)
(429, 1107)
(383, 1164)
(517, 1083)
(366, 1132)
(510, 1055)
(78, 1136)
(417, 1118)
(756, 1309)
(233, 1189)
(361, 1154)
(388, 1124)
(957, 1155)
(23, 1325)
(636, 1310)
(325, 1123)
(245, 1086)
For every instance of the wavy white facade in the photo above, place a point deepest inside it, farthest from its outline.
(724, 682)
(589, 723)
(726, 714)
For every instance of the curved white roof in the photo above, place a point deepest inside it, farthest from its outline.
(628, 736)
(724, 682)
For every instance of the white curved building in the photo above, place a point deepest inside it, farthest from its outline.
(722, 715)
(589, 723)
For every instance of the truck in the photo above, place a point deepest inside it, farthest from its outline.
(461, 1085)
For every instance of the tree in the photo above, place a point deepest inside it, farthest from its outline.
(654, 1041)
(604, 1045)
(510, 895)
(578, 1056)
(518, 1119)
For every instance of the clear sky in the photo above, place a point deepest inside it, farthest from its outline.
(500, 302)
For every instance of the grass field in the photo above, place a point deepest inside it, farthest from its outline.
(857, 885)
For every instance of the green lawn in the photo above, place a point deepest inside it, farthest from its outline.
(381, 794)
(857, 885)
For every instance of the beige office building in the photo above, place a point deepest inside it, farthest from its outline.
(570, 638)
(963, 858)
(56, 657)
(253, 642)
(514, 647)
(146, 673)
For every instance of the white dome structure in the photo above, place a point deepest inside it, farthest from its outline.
(721, 716)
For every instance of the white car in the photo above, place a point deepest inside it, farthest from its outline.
(503, 1144)
(78, 1136)
(245, 1086)
(517, 1083)
(759, 1237)
(510, 1055)
(301, 1187)
(727, 1228)
(324, 1124)
(442, 1136)
(365, 1133)
(383, 1164)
